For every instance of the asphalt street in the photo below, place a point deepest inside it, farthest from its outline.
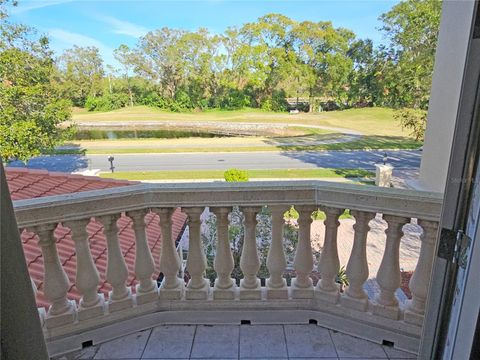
(404, 159)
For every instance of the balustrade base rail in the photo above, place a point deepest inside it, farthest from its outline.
(364, 325)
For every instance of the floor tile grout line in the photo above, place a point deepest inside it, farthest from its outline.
(285, 338)
(239, 334)
(383, 348)
(96, 351)
(333, 342)
(146, 343)
(193, 341)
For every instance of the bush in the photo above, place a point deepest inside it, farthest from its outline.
(153, 99)
(203, 104)
(266, 105)
(235, 175)
(182, 101)
(276, 102)
(106, 102)
(235, 99)
(279, 102)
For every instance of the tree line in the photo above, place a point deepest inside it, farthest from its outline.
(258, 65)
(262, 63)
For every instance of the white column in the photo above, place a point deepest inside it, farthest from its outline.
(388, 276)
(198, 287)
(146, 289)
(223, 264)
(250, 288)
(55, 281)
(357, 267)
(302, 287)
(276, 262)
(448, 72)
(170, 263)
(327, 289)
(117, 271)
(421, 277)
(87, 278)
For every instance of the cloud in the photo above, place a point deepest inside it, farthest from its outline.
(25, 6)
(71, 38)
(123, 27)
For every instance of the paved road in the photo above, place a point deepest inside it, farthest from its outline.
(250, 160)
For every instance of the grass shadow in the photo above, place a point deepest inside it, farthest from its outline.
(369, 142)
(302, 140)
(66, 159)
(67, 149)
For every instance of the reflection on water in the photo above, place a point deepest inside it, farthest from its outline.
(141, 134)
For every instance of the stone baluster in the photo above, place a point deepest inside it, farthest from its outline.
(87, 278)
(146, 289)
(55, 281)
(276, 262)
(357, 267)
(198, 287)
(181, 272)
(388, 277)
(250, 288)
(302, 287)
(172, 287)
(223, 264)
(117, 271)
(419, 281)
(329, 264)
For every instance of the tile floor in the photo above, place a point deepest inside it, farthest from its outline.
(237, 342)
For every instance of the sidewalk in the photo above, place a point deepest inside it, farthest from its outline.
(400, 178)
(328, 179)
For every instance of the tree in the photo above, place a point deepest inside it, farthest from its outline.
(261, 63)
(413, 119)
(323, 49)
(126, 58)
(30, 106)
(184, 65)
(362, 80)
(269, 45)
(159, 61)
(412, 28)
(200, 52)
(81, 73)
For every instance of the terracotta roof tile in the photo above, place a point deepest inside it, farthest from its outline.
(25, 184)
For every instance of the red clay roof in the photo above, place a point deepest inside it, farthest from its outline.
(28, 184)
(25, 184)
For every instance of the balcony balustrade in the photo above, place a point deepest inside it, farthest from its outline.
(67, 324)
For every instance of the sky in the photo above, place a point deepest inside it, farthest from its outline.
(106, 24)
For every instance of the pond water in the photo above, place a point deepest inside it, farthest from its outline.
(142, 134)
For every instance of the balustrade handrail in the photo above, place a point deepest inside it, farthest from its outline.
(399, 202)
(398, 207)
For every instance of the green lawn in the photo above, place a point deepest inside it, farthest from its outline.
(253, 174)
(273, 144)
(369, 121)
(365, 143)
(379, 129)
